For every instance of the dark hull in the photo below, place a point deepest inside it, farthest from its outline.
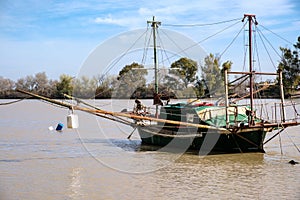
(205, 142)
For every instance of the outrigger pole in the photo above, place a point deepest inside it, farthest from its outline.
(109, 114)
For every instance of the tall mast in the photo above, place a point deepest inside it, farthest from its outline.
(251, 18)
(154, 25)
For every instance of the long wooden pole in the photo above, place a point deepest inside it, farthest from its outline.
(63, 104)
(103, 113)
(134, 116)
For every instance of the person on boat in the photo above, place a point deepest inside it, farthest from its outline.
(157, 100)
(139, 107)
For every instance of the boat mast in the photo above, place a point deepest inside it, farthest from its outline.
(251, 18)
(226, 96)
(154, 25)
(281, 95)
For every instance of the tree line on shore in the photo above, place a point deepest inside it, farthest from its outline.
(179, 81)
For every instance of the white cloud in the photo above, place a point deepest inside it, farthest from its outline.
(109, 20)
(267, 8)
(194, 11)
(165, 11)
(130, 22)
(98, 20)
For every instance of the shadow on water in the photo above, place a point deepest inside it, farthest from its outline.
(138, 146)
(10, 160)
(129, 145)
(124, 144)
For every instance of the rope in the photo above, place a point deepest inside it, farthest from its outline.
(53, 104)
(233, 40)
(181, 50)
(224, 29)
(293, 142)
(294, 107)
(208, 24)
(245, 50)
(280, 143)
(146, 46)
(277, 35)
(12, 102)
(261, 36)
(238, 146)
(273, 136)
(163, 51)
(247, 140)
(117, 60)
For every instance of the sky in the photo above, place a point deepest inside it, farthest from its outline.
(57, 37)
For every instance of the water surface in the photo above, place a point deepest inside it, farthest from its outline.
(98, 162)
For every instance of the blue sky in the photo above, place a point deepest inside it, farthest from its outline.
(57, 36)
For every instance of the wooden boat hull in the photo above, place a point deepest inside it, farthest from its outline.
(210, 141)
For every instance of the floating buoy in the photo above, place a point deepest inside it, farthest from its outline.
(59, 127)
(50, 128)
(292, 162)
(72, 121)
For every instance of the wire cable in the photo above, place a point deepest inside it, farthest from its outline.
(232, 40)
(260, 36)
(276, 34)
(208, 24)
(12, 102)
(146, 46)
(224, 29)
(125, 53)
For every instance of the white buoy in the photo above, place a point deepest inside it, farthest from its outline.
(50, 128)
(72, 121)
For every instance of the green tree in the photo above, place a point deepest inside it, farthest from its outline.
(131, 79)
(105, 86)
(186, 69)
(212, 75)
(290, 66)
(226, 66)
(173, 82)
(64, 86)
(181, 78)
(27, 83)
(6, 87)
(200, 89)
(38, 83)
(42, 84)
(84, 87)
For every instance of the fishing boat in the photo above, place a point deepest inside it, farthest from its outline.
(218, 128)
(199, 125)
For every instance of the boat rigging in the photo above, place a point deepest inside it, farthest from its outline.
(200, 125)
